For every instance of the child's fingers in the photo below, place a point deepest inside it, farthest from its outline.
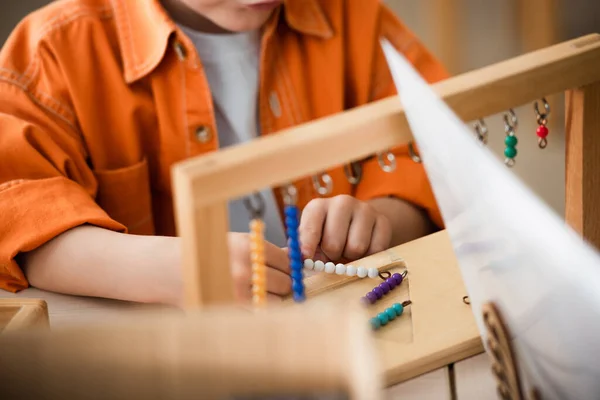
(337, 223)
(311, 226)
(382, 235)
(278, 282)
(277, 258)
(360, 232)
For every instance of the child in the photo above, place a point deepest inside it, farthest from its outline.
(98, 99)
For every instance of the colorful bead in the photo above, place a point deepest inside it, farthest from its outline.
(319, 266)
(340, 269)
(398, 308)
(383, 318)
(350, 270)
(511, 141)
(329, 267)
(398, 278)
(510, 152)
(375, 323)
(391, 313)
(371, 297)
(361, 272)
(385, 287)
(542, 131)
(391, 282)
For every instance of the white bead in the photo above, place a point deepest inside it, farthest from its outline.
(330, 268)
(361, 272)
(350, 270)
(309, 264)
(319, 266)
(373, 272)
(340, 269)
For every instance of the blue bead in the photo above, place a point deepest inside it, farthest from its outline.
(398, 308)
(296, 264)
(292, 234)
(295, 254)
(299, 297)
(293, 243)
(391, 313)
(291, 222)
(291, 211)
(297, 275)
(375, 323)
(383, 318)
(298, 286)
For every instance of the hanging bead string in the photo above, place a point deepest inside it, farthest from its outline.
(257, 249)
(383, 288)
(542, 119)
(292, 222)
(341, 269)
(390, 314)
(481, 131)
(323, 184)
(510, 126)
(387, 164)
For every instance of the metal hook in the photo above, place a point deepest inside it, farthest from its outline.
(413, 153)
(290, 195)
(390, 166)
(404, 273)
(255, 211)
(383, 275)
(510, 126)
(326, 189)
(466, 300)
(482, 131)
(542, 118)
(406, 303)
(353, 172)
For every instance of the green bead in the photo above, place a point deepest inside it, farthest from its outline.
(391, 313)
(383, 318)
(511, 141)
(510, 152)
(398, 308)
(375, 323)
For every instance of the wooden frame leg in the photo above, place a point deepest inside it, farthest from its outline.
(582, 202)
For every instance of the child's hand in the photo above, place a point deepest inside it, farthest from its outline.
(343, 228)
(276, 259)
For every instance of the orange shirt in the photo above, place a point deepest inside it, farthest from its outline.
(98, 99)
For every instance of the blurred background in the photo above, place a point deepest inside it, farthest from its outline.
(469, 34)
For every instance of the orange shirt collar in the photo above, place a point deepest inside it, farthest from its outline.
(144, 29)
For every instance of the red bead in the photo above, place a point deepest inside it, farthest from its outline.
(542, 131)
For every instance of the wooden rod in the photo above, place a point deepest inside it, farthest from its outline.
(582, 168)
(366, 130)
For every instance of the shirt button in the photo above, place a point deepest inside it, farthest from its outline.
(203, 134)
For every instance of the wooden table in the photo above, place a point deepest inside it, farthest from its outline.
(469, 379)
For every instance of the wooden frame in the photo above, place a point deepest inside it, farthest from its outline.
(215, 354)
(23, 314)
(203, 185)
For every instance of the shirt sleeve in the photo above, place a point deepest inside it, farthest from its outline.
(46, 185)
(409, 180)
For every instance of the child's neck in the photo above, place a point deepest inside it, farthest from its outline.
(191, 19)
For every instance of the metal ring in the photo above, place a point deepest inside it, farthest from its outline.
(510, 125)
(404, 273)
(383, 275)
(466, 300)
(542, 143)
(482, 131)
(326, 189)
(258, 210)
(539, 115)
(413, 153)
(391, 158)
(290, 195)
(510, 162)
(353, 172)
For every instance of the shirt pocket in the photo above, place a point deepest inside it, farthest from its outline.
(125, 195)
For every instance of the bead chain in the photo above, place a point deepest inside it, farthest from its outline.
(388, 315)
(341, 269)
(383, 288)
(294, 252)
(259, 269)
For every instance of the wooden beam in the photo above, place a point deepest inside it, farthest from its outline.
(361, 132)
(582, 202)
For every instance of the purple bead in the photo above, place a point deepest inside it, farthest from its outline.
(398, 278)
(391, 282)
(385, 287)
(378, 292)
(372, 297)
(364, 301)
